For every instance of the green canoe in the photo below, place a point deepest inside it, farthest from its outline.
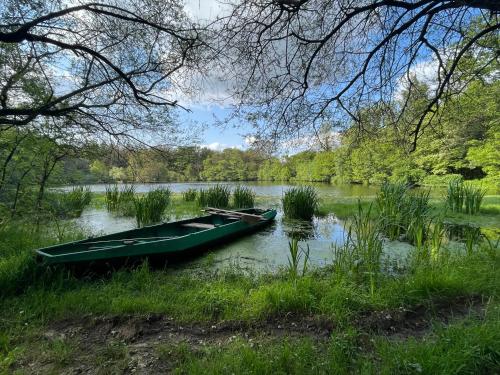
(176, 238)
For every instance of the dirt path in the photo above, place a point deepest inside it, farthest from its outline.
(129, 344)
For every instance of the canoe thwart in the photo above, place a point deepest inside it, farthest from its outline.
(199, 225)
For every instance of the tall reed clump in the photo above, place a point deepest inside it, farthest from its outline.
(189, 195)
(402, 213)
(461, 197)
(300, 202)
(112, 196)
(243, 197)
(216, 196)
(455, 195)
(120, 201)
(297, 254)
(361, 253)
(149, 208)
(73, 202)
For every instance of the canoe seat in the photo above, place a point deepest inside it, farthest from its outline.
(199, 225)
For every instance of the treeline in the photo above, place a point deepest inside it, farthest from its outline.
(463, 141)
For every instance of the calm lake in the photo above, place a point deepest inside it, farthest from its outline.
(265, 250)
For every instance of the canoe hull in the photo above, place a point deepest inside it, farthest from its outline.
(112, 247)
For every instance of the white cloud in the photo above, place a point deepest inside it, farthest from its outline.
(216, 146)
(205, 10)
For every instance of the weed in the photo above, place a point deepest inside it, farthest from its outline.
(296, 255)
(189, 195)
(150, 207)
(243, 197)
(300, 202)
(215, 196)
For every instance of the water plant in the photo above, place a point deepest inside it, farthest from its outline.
(473, 197)
(300, 202)
(297, 253)
(455, 195)
(243, 197)
(215, 196)
(361, 253)
(462, 197)
(73, 202)
(112, 196)
(472, 236)
(120, 201)
(150, 207)
(402, 213)
(189, 195)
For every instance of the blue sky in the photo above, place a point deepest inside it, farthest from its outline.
(214, 136)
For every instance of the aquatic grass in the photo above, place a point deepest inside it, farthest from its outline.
(464, 197)
(126, 205)
(112, 197)
(243, 197)
(455, 195)
(300, 202)
(473, 197)
(71, 203)
(402, 213)
(472, 237)
(361, 253)
(296, 255)
(216, 196)
(150, 207)
(120, 201)
(189, 195)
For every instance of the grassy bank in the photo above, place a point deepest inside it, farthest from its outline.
(438, 315)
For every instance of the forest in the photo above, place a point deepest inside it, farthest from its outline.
(465, 143)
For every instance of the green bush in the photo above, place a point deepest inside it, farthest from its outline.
(300, 202)
(243, 197)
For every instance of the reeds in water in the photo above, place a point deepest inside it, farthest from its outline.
(461, 197)
(112, 196)
(73, 202)
(297, 254)
(243, 197)
(150, 207)
(300, 202)
(189, 195)
(402, 213)
(455, 195)
(360, 255)
(473, 197)
(120, 201)
(215, 196)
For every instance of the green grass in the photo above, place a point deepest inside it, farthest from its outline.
(243, 197)
(215, 196)
(121, 201)
(150, 207)
(33, 297)
(464, 197)
(189, 195)
(300, 202)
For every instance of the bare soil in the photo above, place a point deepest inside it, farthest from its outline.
(138, 337)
